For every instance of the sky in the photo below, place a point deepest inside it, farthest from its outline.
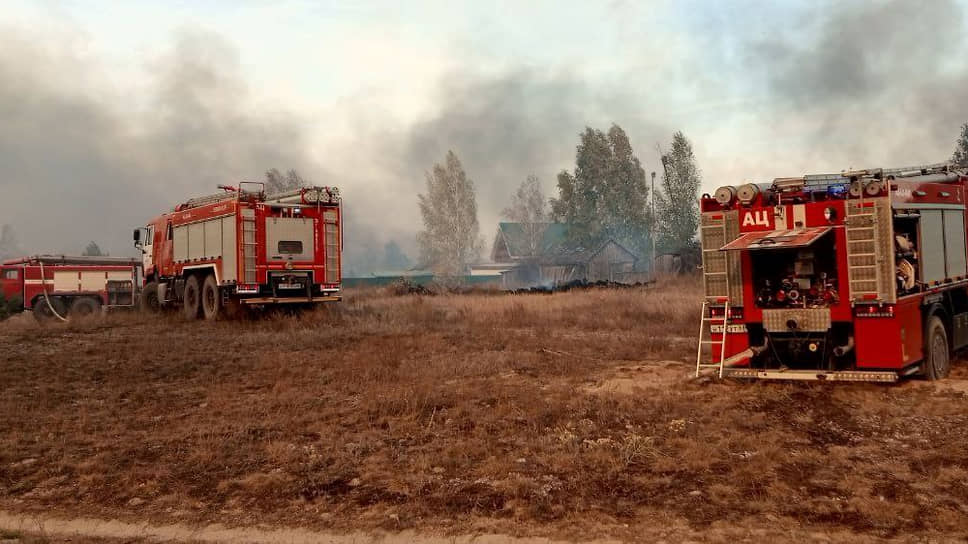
(112, 112)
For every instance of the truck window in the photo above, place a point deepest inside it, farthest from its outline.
(290, 247)
(10, 274)
(149, 236)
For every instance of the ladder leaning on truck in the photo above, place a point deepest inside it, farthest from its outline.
(857, 276)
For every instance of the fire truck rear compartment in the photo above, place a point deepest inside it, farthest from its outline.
(795, 289)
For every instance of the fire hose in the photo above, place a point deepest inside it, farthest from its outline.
(43, 283)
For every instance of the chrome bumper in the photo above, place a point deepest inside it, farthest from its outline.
(289, 300)
(812, 375)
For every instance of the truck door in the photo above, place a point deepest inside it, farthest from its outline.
(148, 250)
(11, 282)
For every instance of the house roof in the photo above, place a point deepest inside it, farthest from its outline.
(582, 255)
(554, 246)
(516, 238)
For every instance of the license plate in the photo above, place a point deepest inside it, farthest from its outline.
(291, 286)
(733, 329)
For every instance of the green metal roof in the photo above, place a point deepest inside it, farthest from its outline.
(516, 238)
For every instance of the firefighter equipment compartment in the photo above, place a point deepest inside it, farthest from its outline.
(847, 276)
(797, 277)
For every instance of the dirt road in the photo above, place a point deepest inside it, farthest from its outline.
(55, 528)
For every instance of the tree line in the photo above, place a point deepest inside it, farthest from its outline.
(606, 195)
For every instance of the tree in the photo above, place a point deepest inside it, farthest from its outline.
(678, 201)
(450, 241)
(277, 182)
(92, 250)
(394, 258)
(607, 194)
(960, 155)
(528, 208)
(9, 246)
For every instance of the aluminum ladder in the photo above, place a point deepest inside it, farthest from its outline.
(706, 320)
(706, 323)
(248, 246)
(863, 260)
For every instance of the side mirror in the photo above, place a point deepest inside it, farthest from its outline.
(137, 237)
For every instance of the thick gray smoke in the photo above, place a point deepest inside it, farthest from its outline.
(862, 50)
(83, 162)
(868, 83)
(855, 84)
(502, 128)
(525, 122)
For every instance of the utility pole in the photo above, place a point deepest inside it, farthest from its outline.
(652, 235)
(665, 168)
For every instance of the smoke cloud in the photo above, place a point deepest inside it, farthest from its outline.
(89, 153)
(867, 83)
(83, 161)
(502, 127)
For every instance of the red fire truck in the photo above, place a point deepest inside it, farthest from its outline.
(857, 276)
(58, 286)
(242, 248)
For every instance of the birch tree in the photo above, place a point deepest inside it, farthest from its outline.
(678, 201)
(450, 241)
(529, 209)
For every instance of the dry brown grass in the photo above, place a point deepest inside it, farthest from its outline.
(462, 413)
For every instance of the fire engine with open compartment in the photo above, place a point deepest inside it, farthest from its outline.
(859, 276)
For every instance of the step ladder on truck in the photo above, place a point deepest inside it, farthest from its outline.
(714, 234)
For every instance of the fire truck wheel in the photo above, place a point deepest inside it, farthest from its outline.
(43, 313)
(83, 308)
(149, 298)
(211, 298)
(192, 298)
(936, 362)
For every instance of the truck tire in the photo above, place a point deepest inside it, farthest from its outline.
(83, 308)
(937, 362)
(192, 299)
(43, 313)
(150, 303)
(211, 298)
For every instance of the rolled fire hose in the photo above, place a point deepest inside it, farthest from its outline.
(43, 283)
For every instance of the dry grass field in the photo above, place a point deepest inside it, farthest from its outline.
(571, 415)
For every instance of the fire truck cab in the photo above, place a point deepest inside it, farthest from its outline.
(242, 248)
(858, 276)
